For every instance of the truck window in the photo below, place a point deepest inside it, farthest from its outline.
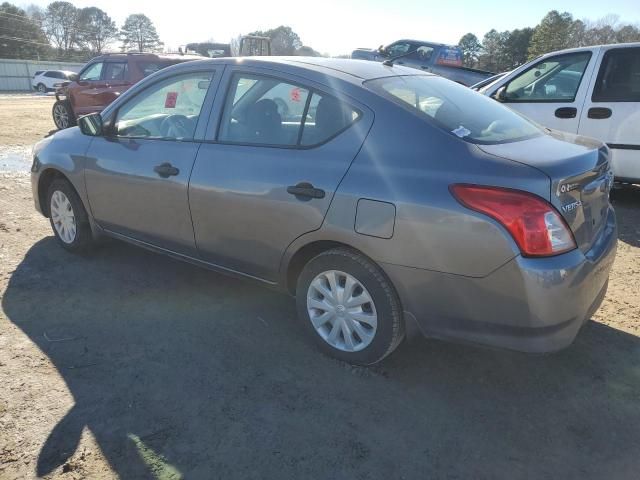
(397, 49)
(554, 79)
(619, 76)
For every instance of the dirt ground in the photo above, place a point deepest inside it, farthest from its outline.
(126, 364)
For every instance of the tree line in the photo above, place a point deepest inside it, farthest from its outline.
(503, 51)
(61, 31)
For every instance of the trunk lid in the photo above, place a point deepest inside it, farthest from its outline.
(580, 175)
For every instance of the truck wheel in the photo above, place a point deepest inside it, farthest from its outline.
(42, 88)
(63, 115)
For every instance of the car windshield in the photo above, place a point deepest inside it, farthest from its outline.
(456, 109)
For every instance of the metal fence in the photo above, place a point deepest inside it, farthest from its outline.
(16, 75)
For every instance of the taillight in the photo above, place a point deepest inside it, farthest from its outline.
(534, 223)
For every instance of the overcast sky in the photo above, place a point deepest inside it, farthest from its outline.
(338, 26)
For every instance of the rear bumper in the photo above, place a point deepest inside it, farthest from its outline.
(530, 305)
(625, 164)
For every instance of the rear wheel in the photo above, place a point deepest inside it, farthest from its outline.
(63, 115)
(42, 88)
(349, 307)
(68, 217)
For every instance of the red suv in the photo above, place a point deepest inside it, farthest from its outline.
(102, 80)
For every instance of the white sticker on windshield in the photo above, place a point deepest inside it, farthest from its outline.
(461, 131)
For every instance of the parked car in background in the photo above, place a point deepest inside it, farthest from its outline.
(591, 91)
(48, 80)
(379, 196)
(443, 60)
(103, 79)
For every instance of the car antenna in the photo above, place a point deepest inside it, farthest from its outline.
(389, 62)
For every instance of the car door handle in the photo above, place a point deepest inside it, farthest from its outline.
(305, 189)
(599, 113)
(566, 112)
(166, 170)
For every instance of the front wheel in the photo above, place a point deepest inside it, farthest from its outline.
(68, 217)
(42, 88)
(349, 306)
(63, 115)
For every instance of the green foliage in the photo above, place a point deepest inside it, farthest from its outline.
(503, 51)
(139, 33)
(554, 32)
(284, 41)
(471, 49)
(20, 36)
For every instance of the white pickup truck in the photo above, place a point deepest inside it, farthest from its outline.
(591, 91)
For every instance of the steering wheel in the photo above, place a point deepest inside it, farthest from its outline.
(176, 126)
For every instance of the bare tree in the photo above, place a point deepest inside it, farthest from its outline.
(60, 25)
(96, 29)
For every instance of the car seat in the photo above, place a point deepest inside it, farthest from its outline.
(264, 123)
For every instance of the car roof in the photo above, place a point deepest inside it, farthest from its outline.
(354, 71)
(590, 48)
(147, 56)
(425, 42)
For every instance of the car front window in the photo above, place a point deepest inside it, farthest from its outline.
(553, 79)
(456, 109)
(92, 73)
(166, 110)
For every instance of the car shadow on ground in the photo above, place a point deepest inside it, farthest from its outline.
(180, 371)
(626, 201)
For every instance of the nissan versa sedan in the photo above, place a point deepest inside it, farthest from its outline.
(385, 199)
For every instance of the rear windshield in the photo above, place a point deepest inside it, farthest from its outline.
(456, 109)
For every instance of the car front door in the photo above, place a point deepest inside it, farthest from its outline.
(269, 173)
(116, 81)
(85, 96)
(137, 175)
(612, 112)
(551, 91)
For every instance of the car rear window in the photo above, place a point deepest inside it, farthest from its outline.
(456, 109)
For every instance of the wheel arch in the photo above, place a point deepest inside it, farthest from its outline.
(301, 257)
(47, 177)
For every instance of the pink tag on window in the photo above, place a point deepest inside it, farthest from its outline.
(170, 101)
(295, 94)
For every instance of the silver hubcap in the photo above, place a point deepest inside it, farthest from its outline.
(342, 311)
(41, 88)
(64, 221)
(61, 116)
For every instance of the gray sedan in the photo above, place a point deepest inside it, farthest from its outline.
(386, 200)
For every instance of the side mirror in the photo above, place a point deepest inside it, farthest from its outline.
(91, 125)
(501, 94)
(382, 50)
(73, 77)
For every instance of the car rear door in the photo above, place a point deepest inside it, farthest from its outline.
(137, 175)
(612, 109)
(551, 91)
(265, 176)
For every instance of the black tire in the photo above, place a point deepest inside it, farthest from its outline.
(390, 324)
(83, 237)
(62, 110)
(42, 88)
